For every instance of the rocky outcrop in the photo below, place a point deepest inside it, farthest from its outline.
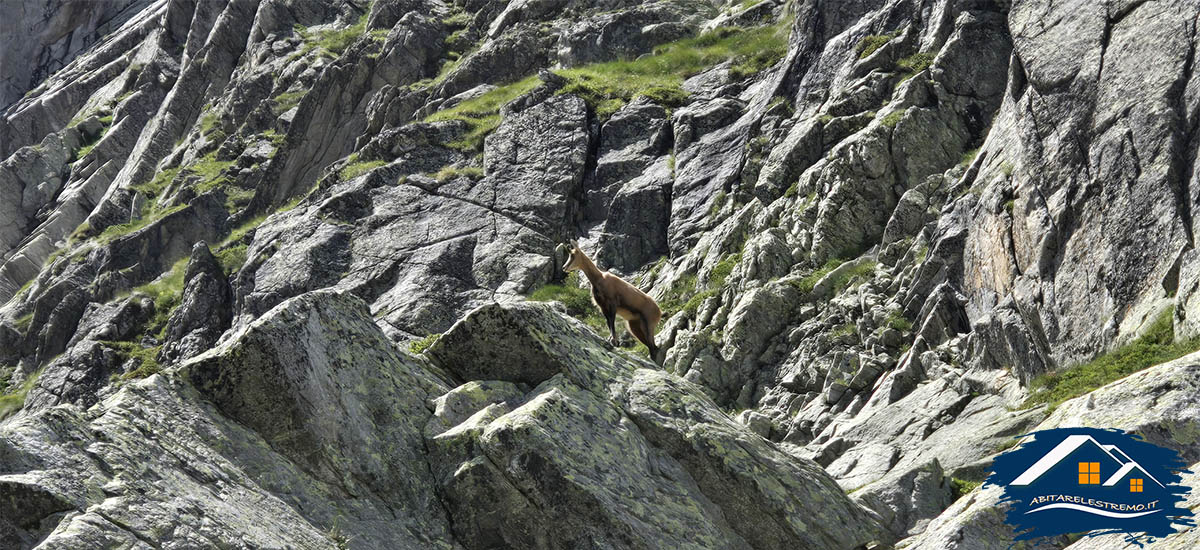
(314, 428)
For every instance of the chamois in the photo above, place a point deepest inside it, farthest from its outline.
(614, 296)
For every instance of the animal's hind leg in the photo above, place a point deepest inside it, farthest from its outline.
(641, 331)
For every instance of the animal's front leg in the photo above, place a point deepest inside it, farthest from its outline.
(612, 330)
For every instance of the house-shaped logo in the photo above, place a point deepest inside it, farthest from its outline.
(1115, 466)
(1077, 480)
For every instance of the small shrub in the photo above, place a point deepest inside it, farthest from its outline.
(418, 347)
(915, 63)
(962, 487)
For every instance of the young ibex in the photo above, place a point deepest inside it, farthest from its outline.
(616, 297)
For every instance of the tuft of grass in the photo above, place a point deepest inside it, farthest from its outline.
(146, 357)
(356, 169)
(1157, 345)
(892, 119)
(1006, 168)
(12, 400)
(332, 42)
(872, 42)
(232, 258)
(578, 301)
(685, 287)
(150, 215)
(166, 292)
(660, 75)
(968, 157)
(961, 487)
(915, 63)
(717, 204)
(207, 121)
(418, 347)
(285, 101)
(482, 114)
(854, 276)
(898, 321)
(449, 173)
(808, 282)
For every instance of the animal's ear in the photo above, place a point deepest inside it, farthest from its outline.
(574, 244)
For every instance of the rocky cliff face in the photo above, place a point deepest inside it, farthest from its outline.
(266, 266)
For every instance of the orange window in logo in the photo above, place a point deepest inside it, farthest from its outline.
(1089, 473)
(1135, 485)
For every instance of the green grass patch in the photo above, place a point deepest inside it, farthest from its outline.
(808, 282)
(356, 169)
(854, 276)
(685, 297)
(12, 399)
(872, 42)
(146, 357)
(609, 85)
(150, 215)
(418, 347)
(845, 330)
(285, 101)
(915, 63)
(482, 114)
(892, 119)
(898, 321)
(968, 157)
(578, 301)
(166, 292)
(1157, 345)
(332, 42)
(449, 173)
(207, 121)
(961, 487)
(232, 258)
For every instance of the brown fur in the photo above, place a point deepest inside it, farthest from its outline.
(616, 297)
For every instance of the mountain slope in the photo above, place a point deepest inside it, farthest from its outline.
(877, 229)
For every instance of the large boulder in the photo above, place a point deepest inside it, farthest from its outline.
(607, 445)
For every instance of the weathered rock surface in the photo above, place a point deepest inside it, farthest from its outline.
(870, 225)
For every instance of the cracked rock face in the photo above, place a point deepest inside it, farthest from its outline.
(266, 266)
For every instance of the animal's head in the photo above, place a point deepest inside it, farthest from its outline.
(574, 256)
